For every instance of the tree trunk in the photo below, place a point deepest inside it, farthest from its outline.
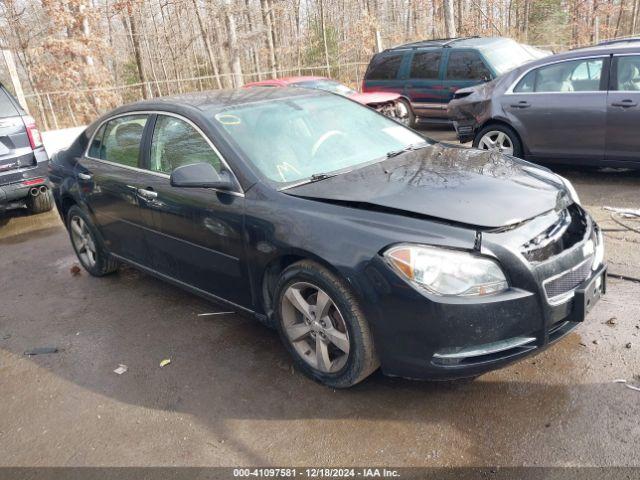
(137, 53)
(266, 19)
(449, 19)
(234, 51)
(207, 44)
(324, 37)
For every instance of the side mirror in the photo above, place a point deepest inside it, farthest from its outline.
(200, 175)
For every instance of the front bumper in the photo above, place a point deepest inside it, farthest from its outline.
(424, 336)
(474, 337)
(16, 184)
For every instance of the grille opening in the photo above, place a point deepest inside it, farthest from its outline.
(566, 282)
(569, 230)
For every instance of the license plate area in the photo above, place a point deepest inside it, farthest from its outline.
(588, 294)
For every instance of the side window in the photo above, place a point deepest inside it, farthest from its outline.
(384, 67)
(121, 140)
(627, 73)
(95, 150)
(570, 76)
(527, 84)
(426, 65)
(176, 143)
(466, 66)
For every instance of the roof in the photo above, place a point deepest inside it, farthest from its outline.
(459, 42)
(284, 81)
(217, 100)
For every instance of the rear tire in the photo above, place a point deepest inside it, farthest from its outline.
(88, 245)
(493, 132)
(41, 203)
(328, 333)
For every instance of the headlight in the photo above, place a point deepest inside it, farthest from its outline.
(447, 272)
(598, 256)
(572, 191)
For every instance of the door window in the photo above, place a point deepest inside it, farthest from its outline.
(384, 67)
(571, 76)
(627, 73)
(118, 141)
(467, 66)
(426, 65)
(176, 143)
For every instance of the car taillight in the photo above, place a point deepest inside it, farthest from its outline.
(35, 139)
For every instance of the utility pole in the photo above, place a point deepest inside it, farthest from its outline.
(15, 80)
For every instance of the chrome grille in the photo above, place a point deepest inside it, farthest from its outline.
(560, 285)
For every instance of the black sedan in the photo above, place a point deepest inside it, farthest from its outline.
(364, 244)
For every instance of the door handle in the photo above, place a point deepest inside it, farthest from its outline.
(521, 104)
(146, 193)
(624, 104)
(85, 176)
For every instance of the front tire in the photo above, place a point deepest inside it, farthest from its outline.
(87, 244)
(499, 137)
(323, 327)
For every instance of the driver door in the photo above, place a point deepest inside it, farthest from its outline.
(194, 234)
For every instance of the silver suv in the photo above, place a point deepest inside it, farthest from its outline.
(23, 159)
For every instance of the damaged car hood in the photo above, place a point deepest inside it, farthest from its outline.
(466, 186)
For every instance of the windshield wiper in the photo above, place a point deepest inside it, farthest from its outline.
(408, 148)
(316, 177)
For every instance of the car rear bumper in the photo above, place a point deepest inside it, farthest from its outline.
(16, 185)
(465, 130)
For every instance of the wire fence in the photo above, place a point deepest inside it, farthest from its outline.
(69, 108)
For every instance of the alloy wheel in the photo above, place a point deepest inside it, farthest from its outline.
(402, 114)
(496, 140)
(83, 241)
(315, 327)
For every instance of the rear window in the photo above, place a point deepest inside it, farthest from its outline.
(7, 108)
(426, 65)
(467, 66)
(384, 67)
(118, 141)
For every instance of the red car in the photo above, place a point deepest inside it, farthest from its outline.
(389, 104)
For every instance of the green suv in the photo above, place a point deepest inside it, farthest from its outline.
(428, 73)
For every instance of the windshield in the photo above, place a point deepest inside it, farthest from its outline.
(327, 85)
(293, 139)
(508, 56)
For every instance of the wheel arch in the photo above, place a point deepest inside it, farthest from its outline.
(272, 271)
(504, 123)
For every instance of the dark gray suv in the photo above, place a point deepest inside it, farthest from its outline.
(577, 107)
(23, 159)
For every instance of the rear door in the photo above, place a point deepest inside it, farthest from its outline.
(559, 110)
(424, 83)
(464, 68)
(15, 149)
(623, 110)
(194, 234)
(109, 179)
(383, 73)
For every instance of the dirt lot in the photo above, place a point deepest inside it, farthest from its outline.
(231, 397)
